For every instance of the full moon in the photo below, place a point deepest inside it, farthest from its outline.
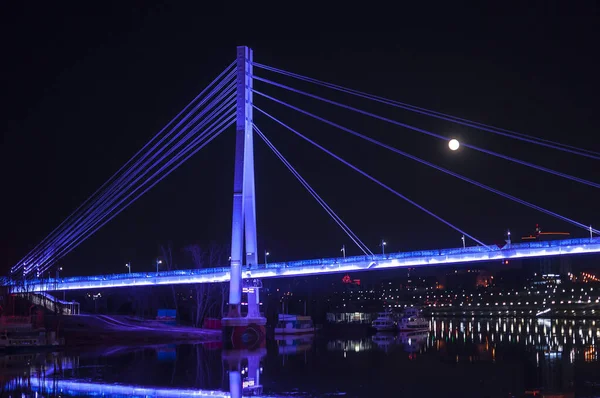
(453, 144)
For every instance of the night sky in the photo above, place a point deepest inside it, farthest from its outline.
(82, 89)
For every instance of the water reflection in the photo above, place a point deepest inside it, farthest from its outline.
(492, 357)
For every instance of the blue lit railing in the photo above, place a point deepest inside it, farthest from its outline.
(322, 262)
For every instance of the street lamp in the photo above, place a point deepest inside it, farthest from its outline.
(463, 241)
(128, 265)
(266, 255)
(508, 237)
(158, 261)
(382, 244)
(344, 250)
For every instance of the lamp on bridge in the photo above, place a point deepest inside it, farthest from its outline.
(266, 255)
(344, 250)
(128, 265)
(158, 261)
(382, 244)
(463, 241)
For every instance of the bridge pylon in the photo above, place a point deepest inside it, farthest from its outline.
(243, 231)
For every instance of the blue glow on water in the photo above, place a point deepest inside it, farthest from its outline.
(81, 388)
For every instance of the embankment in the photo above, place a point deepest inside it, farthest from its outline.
(102, 329)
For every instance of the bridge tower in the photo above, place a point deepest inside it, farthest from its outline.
(243, 232)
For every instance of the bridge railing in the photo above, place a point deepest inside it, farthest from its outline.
(320, 262)
(434, 253)
(52, 303)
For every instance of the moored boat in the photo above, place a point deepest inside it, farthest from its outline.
(294, 324)
(385, 322)
(17, 334)
(412, 321)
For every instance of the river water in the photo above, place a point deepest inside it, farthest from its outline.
(465, 357)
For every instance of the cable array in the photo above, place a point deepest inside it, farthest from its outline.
(214, 110)
(426, 132)
(429, 164)
(364, 248)
(440, 115)
(369, 176)
(201, 121)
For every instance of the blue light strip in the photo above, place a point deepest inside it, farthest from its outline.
(226, 71)
(422, 258)
(369, 176)
(444, 170)
(440, 115)
(423, 131)
(364, 248)
(192, 148)
(104, 203)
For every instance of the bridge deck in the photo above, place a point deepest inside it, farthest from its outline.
(319, 266)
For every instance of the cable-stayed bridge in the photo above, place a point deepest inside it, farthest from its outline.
(323, 266)
(228, 101)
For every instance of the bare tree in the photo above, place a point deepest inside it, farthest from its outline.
(167, 254)
(204, 300)
(224, 297)
(217, 254)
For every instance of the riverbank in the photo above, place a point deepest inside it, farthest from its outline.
(106, 330)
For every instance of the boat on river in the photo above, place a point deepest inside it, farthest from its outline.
(294, 324)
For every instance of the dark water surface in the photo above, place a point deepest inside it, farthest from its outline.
(457, 358)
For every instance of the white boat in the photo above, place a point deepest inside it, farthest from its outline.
(412, 320)
(294, 324)
(384, 323)
(30, 340)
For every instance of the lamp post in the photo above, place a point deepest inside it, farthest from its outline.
(463, 241)
(128, 265)
(344, 250)
(266, 255)
(508, 237)
(382, 244)
(158, 261)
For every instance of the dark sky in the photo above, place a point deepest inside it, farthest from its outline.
(82, 89)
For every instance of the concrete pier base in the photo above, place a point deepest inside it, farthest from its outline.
(243, 333)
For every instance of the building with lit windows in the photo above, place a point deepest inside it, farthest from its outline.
(555, 265)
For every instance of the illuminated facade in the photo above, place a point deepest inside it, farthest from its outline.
(549, 265)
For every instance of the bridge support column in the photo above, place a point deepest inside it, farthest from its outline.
(254, 303)
(244, 371)
(252, 287)
(243, 230)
